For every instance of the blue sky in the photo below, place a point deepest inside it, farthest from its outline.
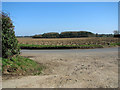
(32, 18)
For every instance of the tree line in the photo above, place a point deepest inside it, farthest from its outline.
(71, 34)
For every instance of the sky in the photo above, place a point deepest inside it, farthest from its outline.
(60, 0)
(30, 18)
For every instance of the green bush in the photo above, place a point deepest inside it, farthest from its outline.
(9, 41)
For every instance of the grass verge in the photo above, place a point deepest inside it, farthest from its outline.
(115, 44)
(28, 46)
(19, 65)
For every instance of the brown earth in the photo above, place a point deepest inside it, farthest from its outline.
(69, 41)
(93, 68)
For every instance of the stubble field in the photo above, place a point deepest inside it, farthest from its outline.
(69, 41)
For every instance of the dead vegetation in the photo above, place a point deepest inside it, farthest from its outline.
(69, 41)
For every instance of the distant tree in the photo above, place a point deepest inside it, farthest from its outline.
(68, 34)
(37, 36)
(85, 34)
(96, 34)
(116, 32)
(9, 41)
(76, 34)
(51, 35)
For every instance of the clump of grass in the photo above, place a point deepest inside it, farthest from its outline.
(19, 65)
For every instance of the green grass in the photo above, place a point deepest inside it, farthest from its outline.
(20, 66)
(32, 46)
(0, 64)
(115, 44)
(28, 46)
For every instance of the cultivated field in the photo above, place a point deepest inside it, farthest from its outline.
(69, 41)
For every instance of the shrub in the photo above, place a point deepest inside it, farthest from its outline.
(9, 41)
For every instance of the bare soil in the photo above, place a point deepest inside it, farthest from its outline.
(69, 41)
(71, 69)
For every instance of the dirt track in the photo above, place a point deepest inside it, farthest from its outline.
(96, 68)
